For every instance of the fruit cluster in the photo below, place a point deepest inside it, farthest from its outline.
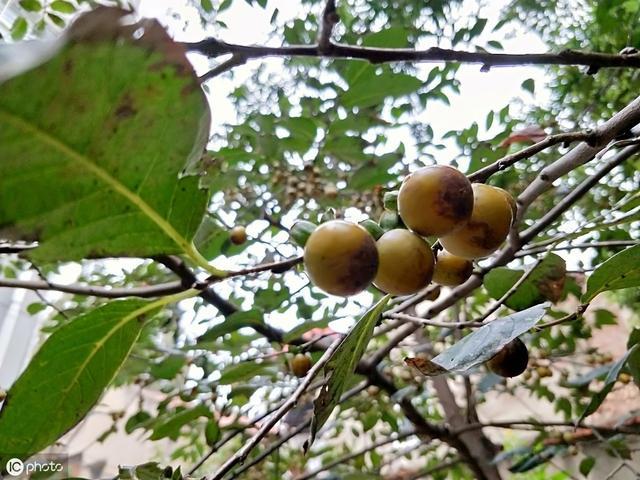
(470, 221)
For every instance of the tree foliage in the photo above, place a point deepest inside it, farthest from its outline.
(107, 151)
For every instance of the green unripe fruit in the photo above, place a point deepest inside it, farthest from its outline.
(301, 231)
(373, 228)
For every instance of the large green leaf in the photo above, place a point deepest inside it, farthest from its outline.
(546, 282)
(620, 271)
(68, 374)
(342, 365)
(482, 344)
(93, 141)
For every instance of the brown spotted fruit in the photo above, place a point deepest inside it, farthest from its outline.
(511, 361)
(451, 270)
(487, 228)
(300, 365)
(435, 200)
(341, 258)
(406, 262)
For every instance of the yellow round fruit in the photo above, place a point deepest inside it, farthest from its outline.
(238, 235)
(300, 365)
(341, 258)
(451, 270)
(435, 200)
(406, 262)
(511, 200)
(511, 361)
(487, 228)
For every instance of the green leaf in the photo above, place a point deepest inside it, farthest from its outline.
(374, 172)
(31, 5)
(171, 427)
(90, 162)
(586, 465)
(233, 322)
(534, 460)
(393, 37)
(546, 282)
(146, 471)
(620, 271)
(370, 89)
(609, 382)
(529, 85)
(212, 432)
(342, 365)
(482, 344)
(35, 307)
(62, 6)
(139, 420)
(169, 367)
(68, 374)
(206, 5)
(19, 29)
(633, 362)
(245, 371)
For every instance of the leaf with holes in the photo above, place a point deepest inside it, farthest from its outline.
(620, 271)
(342, 365)
(90, 163)
(68, 374)
(546, 282)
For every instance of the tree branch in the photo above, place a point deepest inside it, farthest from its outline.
(330, 18)
(276, 445)
(102, 292)
(213, 47)
(356, 454)
(483, 174)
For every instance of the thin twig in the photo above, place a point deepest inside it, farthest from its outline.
(505, 162)
(241, 455)
(498, 303)
(276, 445)
(356, 454)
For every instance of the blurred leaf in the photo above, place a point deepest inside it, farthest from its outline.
(62, 6)
(171, 426)
(529, 85)
(212, 432)
(620, 271)
(31, 5)
(342, 365)
(539, 458)
(169, 367)
(546, 282)
(19, 28)
(482, 344)
(372, 89)
(393, 37)
(609, 382)
(245, 371)
(586, 465)
(233, 322)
